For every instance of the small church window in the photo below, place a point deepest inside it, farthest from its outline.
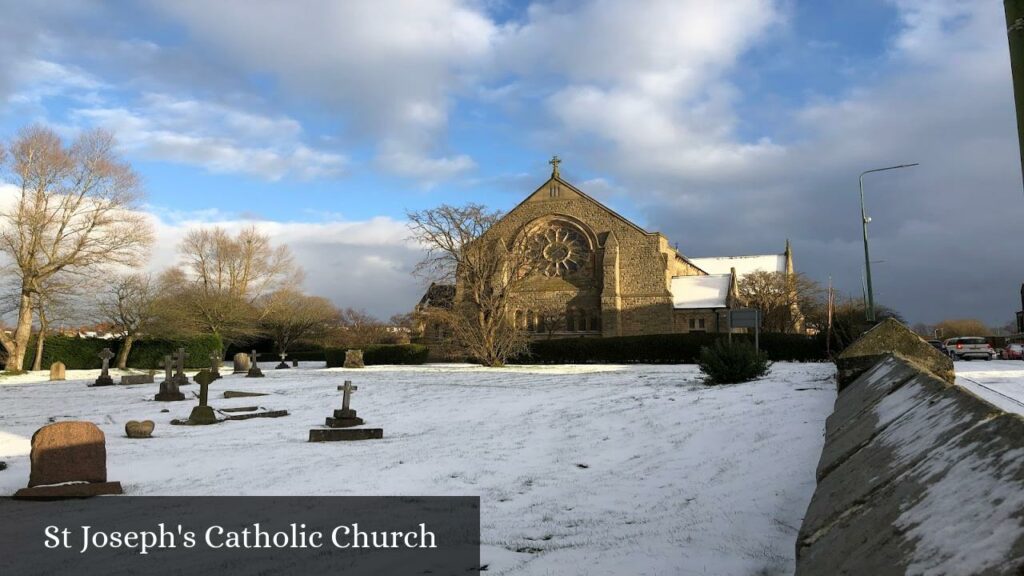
(519, 319)
(570, 320)
(583, 320)
(530, 321)
(595, 322)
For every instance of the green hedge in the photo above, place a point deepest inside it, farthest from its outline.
(380, 354)
(664, 349)
(83, 353)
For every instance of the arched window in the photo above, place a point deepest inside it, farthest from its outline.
(519, 322)
(531, 321)
(570, 319)
(582, 319)
(595, 322)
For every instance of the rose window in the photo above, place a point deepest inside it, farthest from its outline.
(557, 250)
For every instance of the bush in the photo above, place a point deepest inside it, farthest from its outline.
(379, 354)
(728, 363)
(83, 353)
(665, 349)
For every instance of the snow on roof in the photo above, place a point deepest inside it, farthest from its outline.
(700, 291)
(742, 264)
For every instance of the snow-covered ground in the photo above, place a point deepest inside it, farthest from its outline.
(580, 469)
(1000, 382)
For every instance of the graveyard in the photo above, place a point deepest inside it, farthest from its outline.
(623, 469)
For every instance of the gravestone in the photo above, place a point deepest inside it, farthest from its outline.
(241, 394)
(135, 429)
(346, 417)
(57, 371)
(203, 413)
(132, 379)
(3, 465)
(254, 370)
(354, 359)
(241, 363)
(104, 377)
(295, 363)
(215, 359)
(179, 366)
(169, 391)
(340, 426)
(72, 454)
(283, 364)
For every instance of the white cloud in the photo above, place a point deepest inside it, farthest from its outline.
(214, 136)
(389, 68)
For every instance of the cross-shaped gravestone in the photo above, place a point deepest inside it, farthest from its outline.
(203, 414)
(168, 366)
(254, 368)
(346, 396)
(106, 355)
(104, 377)
(180, 360)
(215, 364)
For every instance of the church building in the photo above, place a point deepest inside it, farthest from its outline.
(605, 276)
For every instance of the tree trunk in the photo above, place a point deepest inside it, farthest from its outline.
(37, 364)
(126, 348)
(18, 345)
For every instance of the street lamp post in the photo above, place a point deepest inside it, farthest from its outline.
(864, 223)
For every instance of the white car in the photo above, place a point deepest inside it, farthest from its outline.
(968, 347)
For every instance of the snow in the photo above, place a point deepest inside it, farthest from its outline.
(580, 469)
(700, 291)
(742, 264)
(999, 382)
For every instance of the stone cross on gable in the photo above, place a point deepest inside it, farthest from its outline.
(106, 355)
(555, 161)
(347, 389)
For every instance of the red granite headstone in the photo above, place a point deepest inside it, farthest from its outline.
(69, 452)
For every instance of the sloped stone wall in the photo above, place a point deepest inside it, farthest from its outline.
(917, 476)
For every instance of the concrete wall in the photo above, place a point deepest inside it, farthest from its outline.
(917, 476)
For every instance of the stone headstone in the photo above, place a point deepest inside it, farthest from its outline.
(57, 371)
(104, 378)
(215, 359)
(179, 367)
(169, 391)
(3, 465)
(354, 359)
(346, 417)
(295, 363)
(254, 370)
(240, 394)
(203, 413)
(135, 429)
(66, 452)
(132, 379)
(345, 434)
(241, 363)
(283, 364)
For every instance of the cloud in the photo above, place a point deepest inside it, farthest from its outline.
(389, 68)
(214, 136)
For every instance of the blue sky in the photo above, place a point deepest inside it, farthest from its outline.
(729, 126)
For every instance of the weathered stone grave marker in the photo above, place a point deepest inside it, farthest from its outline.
(179, 374)
(340, 426)
(169, 391)
(203, 413)
(132, 379)
(254, 370)
(57, 371)
(104, 377)
(215, 358)
(69, 460)
(241, 363)
(283, 364)
(135, 429)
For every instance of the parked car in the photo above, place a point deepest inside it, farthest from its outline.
(968, 347)
(1013, 351)
(939, 346)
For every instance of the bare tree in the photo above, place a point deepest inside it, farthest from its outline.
(486, 272)
(131, 307)
(290, 317)
(54, 301)
(224, 275)
(72, 214)
(783, 299)
(551, 317)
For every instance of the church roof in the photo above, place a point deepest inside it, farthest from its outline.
(742, 264)
(701, 291)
